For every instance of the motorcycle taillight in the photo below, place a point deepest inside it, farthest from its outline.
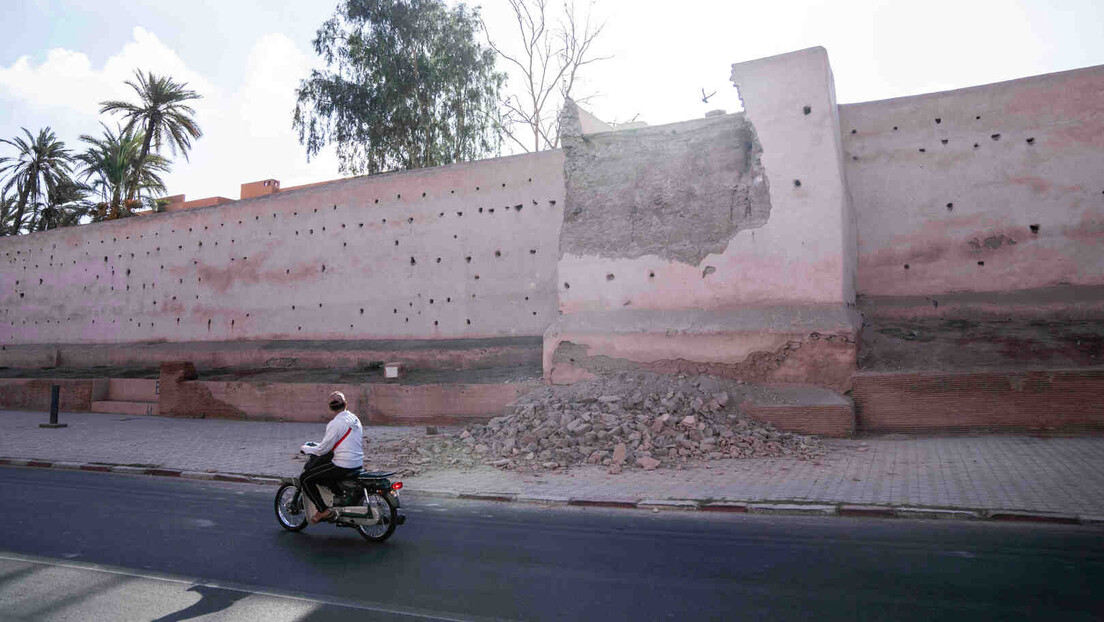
(396, 486)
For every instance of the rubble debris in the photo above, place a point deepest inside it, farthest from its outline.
(623, 421)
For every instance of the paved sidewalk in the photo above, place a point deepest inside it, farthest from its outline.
(984, 473)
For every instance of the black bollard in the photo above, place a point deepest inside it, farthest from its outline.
(55, 401)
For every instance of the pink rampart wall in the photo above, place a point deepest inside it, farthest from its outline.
(453, 252)
(947, 187)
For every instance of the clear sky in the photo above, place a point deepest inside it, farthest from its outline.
(58, 58)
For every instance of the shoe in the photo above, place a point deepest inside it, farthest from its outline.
(327, 514)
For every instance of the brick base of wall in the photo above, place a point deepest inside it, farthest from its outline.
(34, 394)
(1068, 399)
(822, 420)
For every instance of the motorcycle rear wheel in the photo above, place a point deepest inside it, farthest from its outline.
(387, 522)
(290, 512)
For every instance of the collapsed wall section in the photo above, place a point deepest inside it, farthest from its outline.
(985, 201)
(457, 252)
(713, 246)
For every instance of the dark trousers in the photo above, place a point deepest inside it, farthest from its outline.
(320, 474)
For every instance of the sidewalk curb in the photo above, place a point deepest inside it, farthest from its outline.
(843, 510)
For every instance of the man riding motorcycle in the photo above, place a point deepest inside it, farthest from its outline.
(340, 454)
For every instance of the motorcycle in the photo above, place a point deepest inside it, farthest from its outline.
(365, 500)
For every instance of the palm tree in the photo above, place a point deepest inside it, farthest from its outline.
(67, 205)
(162, 115)
(42, 163)
(7, 215)
(123, 181)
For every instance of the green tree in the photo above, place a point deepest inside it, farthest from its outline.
(115, 169)
(39, 166)
(406, 86)
(161, 116)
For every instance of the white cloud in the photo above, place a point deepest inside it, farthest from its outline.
(247, 131)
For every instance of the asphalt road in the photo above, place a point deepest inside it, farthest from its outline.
(89, 546)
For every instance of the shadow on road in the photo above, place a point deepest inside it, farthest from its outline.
(211, 600)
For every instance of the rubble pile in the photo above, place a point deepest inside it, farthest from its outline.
(627, 420)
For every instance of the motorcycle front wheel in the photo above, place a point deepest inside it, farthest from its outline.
(383, 529)
(289, 508)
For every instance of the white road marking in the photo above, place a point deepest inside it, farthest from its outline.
(223, 585)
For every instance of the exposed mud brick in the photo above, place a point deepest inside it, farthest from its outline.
(680, 191)
(183, 396)
(1029, 400)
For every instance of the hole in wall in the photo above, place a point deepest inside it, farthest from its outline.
(906, 266)
(532, 251)
(1034, 228)
(950, 207)
(922, 150)
(610, 277)
(976, 145)
(977, 118)
(468, 259)
(1031, 140)
(498, 253)
(797, 183)
(894, 128)
(412, 262)
(807, 109)
(944, 141)
(938, 120)
(995, 136)
(981, 263)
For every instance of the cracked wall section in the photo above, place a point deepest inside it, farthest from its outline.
(679, 191)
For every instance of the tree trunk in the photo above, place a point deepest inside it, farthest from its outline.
(132, 191)
(17, 224)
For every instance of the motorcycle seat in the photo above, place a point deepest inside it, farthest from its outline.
(374, 474)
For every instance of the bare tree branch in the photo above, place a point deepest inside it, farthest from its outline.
(548, 61)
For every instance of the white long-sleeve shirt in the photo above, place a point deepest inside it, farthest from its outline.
(350, 453)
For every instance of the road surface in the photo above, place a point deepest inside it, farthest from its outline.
(91, 546)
